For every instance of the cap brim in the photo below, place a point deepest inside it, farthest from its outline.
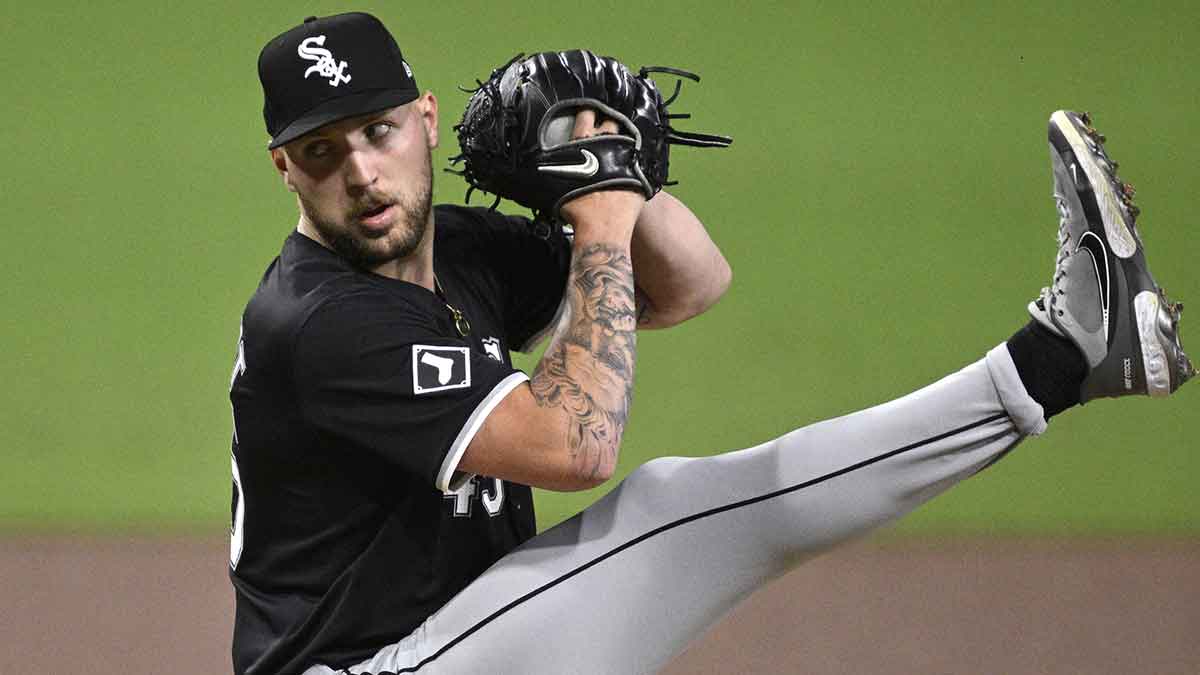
(337, 109)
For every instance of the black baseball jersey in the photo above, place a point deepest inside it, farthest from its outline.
(354, 397)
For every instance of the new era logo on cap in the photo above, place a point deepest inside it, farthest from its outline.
(307, 80)
(439, 368)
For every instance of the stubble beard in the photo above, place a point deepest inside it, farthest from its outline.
(368, 253)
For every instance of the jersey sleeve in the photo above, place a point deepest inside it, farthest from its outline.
(532, 264)
(373, 373)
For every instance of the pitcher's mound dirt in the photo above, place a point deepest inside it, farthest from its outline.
(152, 605)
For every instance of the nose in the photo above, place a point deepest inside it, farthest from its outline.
(359, 171)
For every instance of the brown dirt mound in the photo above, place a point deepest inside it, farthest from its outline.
(158, 605)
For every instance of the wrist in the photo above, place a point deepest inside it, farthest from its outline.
(600, 230)
(604, 214)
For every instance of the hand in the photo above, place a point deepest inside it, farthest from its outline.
(615, 208)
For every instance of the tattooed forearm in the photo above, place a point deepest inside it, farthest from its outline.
(587, 369)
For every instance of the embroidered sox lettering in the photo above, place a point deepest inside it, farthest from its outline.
(326, 65)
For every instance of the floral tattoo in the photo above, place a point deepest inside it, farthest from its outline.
(587, 369)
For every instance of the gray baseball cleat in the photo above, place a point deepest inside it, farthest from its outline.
(1103, 297)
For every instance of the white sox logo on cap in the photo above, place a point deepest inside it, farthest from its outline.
(330, 48)
(326, 65)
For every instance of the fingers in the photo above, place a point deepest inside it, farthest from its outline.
(588, 124)
(585, 124)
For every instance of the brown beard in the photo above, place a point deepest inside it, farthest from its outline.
(364, 253)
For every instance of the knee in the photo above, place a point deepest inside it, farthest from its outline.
(658, 473)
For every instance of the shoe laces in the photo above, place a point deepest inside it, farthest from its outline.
(1063, 239)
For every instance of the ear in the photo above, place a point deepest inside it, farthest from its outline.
(280, 161)
(427, 108)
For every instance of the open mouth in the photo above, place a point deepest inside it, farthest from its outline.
(375, 215)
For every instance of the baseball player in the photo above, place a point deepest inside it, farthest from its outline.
(384, 446)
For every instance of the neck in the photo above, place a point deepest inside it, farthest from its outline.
(415, 268)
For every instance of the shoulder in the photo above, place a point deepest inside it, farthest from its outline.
(358, 307)
(353, 334)
(311, 291)
(286, 304)
(298, 281)
(300, 278)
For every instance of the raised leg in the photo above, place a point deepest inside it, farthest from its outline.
(625, 585)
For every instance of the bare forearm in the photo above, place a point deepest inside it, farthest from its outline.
(586, 373)
(680, 271)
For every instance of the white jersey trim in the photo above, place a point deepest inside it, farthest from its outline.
(448, 478)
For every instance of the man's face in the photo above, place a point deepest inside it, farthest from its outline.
(365, 183)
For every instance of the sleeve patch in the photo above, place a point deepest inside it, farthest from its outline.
(440, 368)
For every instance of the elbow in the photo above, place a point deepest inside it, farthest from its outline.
(593, 473)
(570, 438)
(584, 461)
(701, 300)
(577, 482)
(723, 279)
(565, 471)
(719, 280)
(602, 474)
(584, 483)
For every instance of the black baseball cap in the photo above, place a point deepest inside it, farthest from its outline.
(330, 68)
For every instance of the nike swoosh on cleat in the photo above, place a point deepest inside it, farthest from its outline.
(1095, 246)
(1119, 233)
(587, 167)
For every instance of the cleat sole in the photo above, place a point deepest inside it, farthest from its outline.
(1148, 309)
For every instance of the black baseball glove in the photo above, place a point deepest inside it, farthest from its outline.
(515, 134)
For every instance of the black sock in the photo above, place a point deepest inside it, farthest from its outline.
(1051, 367)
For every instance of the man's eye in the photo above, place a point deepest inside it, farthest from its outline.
(317, 150)
(378, 130)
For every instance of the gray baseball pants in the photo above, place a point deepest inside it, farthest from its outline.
(625, 585)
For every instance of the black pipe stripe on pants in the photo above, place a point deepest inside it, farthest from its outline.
(683, 521)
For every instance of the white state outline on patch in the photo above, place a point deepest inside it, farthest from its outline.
(466, 357)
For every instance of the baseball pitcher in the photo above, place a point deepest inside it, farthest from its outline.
(384, 446)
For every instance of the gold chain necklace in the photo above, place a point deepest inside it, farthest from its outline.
(460, 320)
